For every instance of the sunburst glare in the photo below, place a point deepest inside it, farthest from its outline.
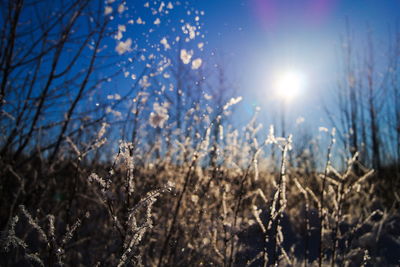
(289, 84)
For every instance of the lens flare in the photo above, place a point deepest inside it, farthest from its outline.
(275, 12)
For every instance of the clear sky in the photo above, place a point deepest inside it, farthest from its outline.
(262, 37)
(259, 40)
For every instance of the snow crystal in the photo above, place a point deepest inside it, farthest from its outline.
(200, 46)
(323, 129)
(190, 30)
(186, 56)
(102, 130)
(232, 101)
(123, 47)
(164, 42)
(115, 96)
(121, 29)
(159, 116)
(108, 10)
(144, 82)
(196, 63)
(170, 6)
(207, 96)
(121, 8)
(118, 36)
(114, 112)
(161, 7)
(157, 21)
(97, 179)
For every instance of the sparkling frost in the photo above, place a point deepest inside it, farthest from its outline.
(186, 56)
(196, 63)
(159, 116)
(123, 47)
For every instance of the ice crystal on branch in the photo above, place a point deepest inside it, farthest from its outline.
(159, 116)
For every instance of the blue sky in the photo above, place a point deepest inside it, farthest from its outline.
(265, 36)
(259, 39)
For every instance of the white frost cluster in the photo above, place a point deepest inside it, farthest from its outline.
(323, 129)
(164, 42)
(121, 29)
(160, 9)
(207, 96)
(114, 112)
(159, 116)
(232, 101)
(189, 30)
(102, 131)
(200, 46)
(94, 178)
(108, 10)
(196, 63)
(115, 96)
(121, 8)
(124, 47)
(144, 81)
(186, 56)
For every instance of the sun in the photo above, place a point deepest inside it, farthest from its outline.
(289, 84)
